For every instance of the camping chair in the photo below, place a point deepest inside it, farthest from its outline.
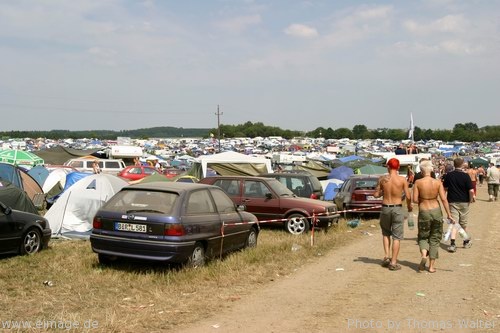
(39, 200)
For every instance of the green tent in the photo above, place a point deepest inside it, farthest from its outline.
(371, 169)
(476, 162)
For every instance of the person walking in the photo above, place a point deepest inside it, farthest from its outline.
(473, 176)
(481, 173)
(391, 187)
(460, 194)
(493, 179)
(426, 192)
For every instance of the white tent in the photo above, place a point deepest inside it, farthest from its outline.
(55, 176)
(75, 209)
(234, 159)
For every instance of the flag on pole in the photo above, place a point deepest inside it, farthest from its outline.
(412, 127)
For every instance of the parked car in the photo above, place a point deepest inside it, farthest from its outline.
(171, 222)
(302, 184)
(187, 179)
(22, 232)
(136, 172)
(273, 203)
(173, 172)
(357, 192)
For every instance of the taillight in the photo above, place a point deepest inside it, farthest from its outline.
(97, 223)
(174, 230)
(358, 197)
(314, 196)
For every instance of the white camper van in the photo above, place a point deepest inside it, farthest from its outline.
(109, 166)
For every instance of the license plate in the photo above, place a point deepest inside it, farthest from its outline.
(130, 227)
(370, 197)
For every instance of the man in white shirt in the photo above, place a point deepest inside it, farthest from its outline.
(493, 179)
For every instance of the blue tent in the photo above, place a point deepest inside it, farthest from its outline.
(39, 173)
(71, 178)
(342, 173)
(351, 158)
(330, 192)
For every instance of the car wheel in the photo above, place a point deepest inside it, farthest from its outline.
(297, 224)
(197, 258)
(31, 242)
(252, 238)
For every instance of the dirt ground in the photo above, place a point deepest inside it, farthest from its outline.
(348, 291)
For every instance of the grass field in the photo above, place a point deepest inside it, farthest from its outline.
(139, 297)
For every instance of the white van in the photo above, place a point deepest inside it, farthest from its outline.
(109, 166)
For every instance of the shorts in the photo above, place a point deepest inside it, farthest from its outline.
(392, 222)
(460, 212)
(493, 189)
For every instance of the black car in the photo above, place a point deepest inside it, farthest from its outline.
(302, 184)
(179, 223)
(22, 232)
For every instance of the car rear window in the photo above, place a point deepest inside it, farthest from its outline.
(366, 183)
(134, 200)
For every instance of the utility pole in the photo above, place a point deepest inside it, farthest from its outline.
(218, 114)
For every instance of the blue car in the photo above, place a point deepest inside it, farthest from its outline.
(172, 222)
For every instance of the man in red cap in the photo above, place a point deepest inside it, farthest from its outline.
(391, 187)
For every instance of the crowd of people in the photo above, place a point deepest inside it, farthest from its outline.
(438, 186)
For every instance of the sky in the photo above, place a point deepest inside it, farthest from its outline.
(297, 65)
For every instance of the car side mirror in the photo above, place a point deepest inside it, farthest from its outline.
(269, 195)
(241, 207)
(5, 209)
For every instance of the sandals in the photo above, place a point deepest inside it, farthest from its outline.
(421, 266)
(395, 267)
(386, 262)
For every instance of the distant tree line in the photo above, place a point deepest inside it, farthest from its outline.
(467, 132)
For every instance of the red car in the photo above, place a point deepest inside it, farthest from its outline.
(136, 172)
(356, 193)
(273, 203)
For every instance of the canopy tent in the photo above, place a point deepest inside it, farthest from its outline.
(476, 162)
(20, 157)
(60, 154)
(317, 169)
(230, 164)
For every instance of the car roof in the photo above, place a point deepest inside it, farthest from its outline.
(240, 177)
(168, 186)
(365, 176)
(290, 174)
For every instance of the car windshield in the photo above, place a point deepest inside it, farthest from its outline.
(280, 189)
(129, 201)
